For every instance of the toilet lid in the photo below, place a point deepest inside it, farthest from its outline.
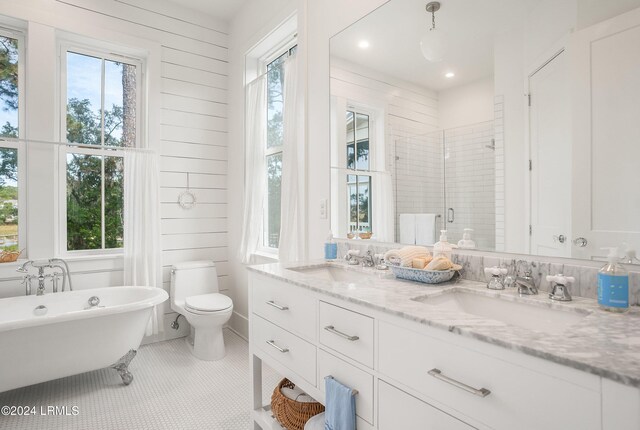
(208, 302)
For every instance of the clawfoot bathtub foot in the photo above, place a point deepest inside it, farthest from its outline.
(122, 366)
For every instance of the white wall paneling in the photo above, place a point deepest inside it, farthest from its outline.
(187, 121)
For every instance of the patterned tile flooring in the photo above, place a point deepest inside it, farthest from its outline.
(171, 390)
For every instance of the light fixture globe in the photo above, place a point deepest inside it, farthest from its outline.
(433, 45)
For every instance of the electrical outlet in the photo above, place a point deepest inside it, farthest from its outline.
(323, 208)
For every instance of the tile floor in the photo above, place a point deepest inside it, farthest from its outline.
(171, 390)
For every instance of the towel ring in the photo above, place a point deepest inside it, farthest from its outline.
(187, 199)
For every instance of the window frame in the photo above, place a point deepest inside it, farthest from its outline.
(19, 144)
(288, 48)
(102, 150)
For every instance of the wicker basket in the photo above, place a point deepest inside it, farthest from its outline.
(292, 414)
(9, 256)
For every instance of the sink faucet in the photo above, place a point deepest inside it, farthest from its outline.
(368, 260)
(525, 284)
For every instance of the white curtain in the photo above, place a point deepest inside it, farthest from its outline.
(142, 262)
(255, 170)
(292, 226)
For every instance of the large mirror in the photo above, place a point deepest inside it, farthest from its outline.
(512, 124)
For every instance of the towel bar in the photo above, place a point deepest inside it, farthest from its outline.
(353, 390)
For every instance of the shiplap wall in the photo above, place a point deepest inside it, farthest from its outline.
(192, 120)
(193, 129)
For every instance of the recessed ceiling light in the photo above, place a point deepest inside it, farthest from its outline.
(363, 44)
(449, 75)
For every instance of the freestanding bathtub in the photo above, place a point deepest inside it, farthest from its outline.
(61, 334)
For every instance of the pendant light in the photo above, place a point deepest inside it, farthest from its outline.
(433, 44)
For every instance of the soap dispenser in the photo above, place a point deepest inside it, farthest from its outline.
(442, 247)
(496, 282)
(613, 284)
(467, 242)
(330, 248)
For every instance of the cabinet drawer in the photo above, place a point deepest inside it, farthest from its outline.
(285, 305)
(399, 410)
(288, 349)
(351, 376)
(347, 332)
(519, 396)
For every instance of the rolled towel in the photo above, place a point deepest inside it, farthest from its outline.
(440, 263)
(409, 253)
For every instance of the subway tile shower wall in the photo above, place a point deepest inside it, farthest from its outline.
(473, 265)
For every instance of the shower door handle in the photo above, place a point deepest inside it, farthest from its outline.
(451, 215)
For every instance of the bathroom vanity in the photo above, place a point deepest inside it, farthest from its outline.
(447, 356)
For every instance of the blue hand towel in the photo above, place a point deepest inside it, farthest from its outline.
(340, 412)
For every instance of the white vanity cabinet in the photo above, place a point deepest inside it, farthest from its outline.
(412, 376)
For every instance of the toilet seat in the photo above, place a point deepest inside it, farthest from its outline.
(213, 302)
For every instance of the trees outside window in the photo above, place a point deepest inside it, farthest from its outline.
(358, 159)
(101, 106)
(10, 100)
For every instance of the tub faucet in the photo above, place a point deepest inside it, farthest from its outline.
(525, 284)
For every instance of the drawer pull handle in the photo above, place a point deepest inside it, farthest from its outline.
(331, 329)
(272, 344)
(482, 392)
(277, 306)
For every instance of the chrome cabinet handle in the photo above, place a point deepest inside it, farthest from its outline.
(277, 306)
(482, 392)
(332, 329)
(272, 344)
(580, 241)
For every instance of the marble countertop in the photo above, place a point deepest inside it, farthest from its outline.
(603, 343)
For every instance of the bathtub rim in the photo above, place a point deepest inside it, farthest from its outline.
(159, 296)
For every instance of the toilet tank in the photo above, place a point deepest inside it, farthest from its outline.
(193, 278)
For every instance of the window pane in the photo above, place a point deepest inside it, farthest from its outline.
(8, 199)
(84, 197)
(113, 202)
(362, 141)
(351, 156)
(274, 186)
(275, 102)
(350, 135)
(364, 203)
(8, 87)
(119, 104)
(84, 99)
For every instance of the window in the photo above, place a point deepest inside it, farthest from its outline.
(273, 153)
(11, 150)
(101, 102)
(358, 159)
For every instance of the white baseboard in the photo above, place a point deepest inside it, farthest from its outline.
(240, 325)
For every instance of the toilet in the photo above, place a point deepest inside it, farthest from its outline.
(194, 294)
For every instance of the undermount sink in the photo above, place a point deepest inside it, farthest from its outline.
(539, 317)
(335, 274)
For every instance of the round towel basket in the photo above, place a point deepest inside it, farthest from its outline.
(292, 414)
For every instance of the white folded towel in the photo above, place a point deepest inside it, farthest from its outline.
(425, 229)
(407, 229)
(407, 254)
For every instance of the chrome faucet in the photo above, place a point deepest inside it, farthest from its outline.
(42, 276)
(525, 284)
(368, 260)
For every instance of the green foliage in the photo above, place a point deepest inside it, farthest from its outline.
(9, 73)
(84, 180)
